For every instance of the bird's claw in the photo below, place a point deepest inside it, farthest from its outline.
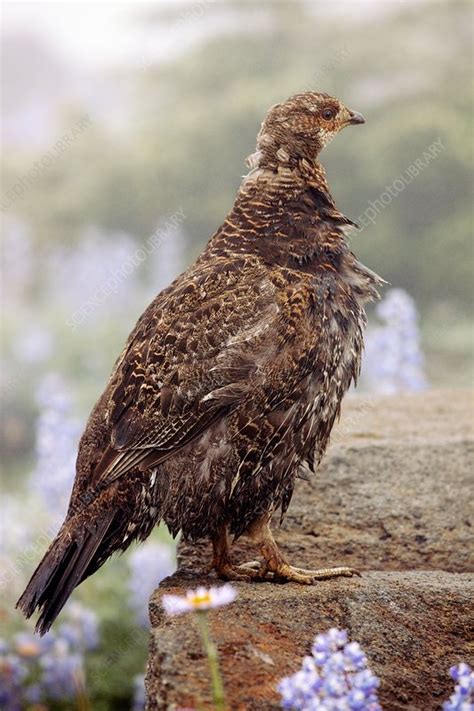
(309, 577)
(244, 572)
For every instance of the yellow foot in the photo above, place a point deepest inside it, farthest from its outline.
(309, 577)
(255, 570)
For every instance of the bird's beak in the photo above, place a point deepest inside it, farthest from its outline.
(355, 117)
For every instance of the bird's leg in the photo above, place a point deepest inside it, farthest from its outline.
(276, 564)
(221, 559)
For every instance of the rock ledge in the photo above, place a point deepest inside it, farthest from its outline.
(391, 499)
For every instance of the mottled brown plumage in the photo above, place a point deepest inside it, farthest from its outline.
(232, 378)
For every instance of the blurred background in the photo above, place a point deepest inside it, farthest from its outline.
(125, 128)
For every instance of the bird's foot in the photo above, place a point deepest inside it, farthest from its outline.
(273, 568)
(244, 572)
(287, 572)
(284, 571)
(222, 561)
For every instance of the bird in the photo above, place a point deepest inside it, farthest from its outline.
(229, 385)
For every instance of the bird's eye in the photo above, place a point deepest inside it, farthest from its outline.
(328, 114)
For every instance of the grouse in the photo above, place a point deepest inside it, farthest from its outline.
(232, 378)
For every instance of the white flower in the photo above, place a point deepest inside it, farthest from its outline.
(197, 600)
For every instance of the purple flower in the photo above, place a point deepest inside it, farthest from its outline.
(139, 693)
(13, 672)
(149, 564)
(334, 678)
(90, 269)
(463, 697)
(34, 693)
(57, 437)
(35, 670)
(393, 360)
(62, 673)
(81, 628)
(355, 655)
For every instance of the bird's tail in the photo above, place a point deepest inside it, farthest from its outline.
(74, 554)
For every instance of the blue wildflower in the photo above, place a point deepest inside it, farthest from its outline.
(149, 564)
(334, 678)
(139, 693)
(33, 694)
(81, 270)
(393, 359)
(57, 437)
(355, 655)
(34, 670)
(62, 673)
(463, 697)
(13, 672)
(81, 630)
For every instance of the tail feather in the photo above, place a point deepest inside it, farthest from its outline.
(70, 559)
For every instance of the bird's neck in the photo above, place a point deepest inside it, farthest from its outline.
(275, 150)
(277, 167)
(284, 182)
(286, 216)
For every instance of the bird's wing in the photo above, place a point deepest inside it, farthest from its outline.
(216, 339)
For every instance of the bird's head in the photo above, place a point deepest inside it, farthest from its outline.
(301, 126)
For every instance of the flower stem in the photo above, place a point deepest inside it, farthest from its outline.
(213, 659)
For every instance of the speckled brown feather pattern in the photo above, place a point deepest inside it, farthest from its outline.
(234, 375)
